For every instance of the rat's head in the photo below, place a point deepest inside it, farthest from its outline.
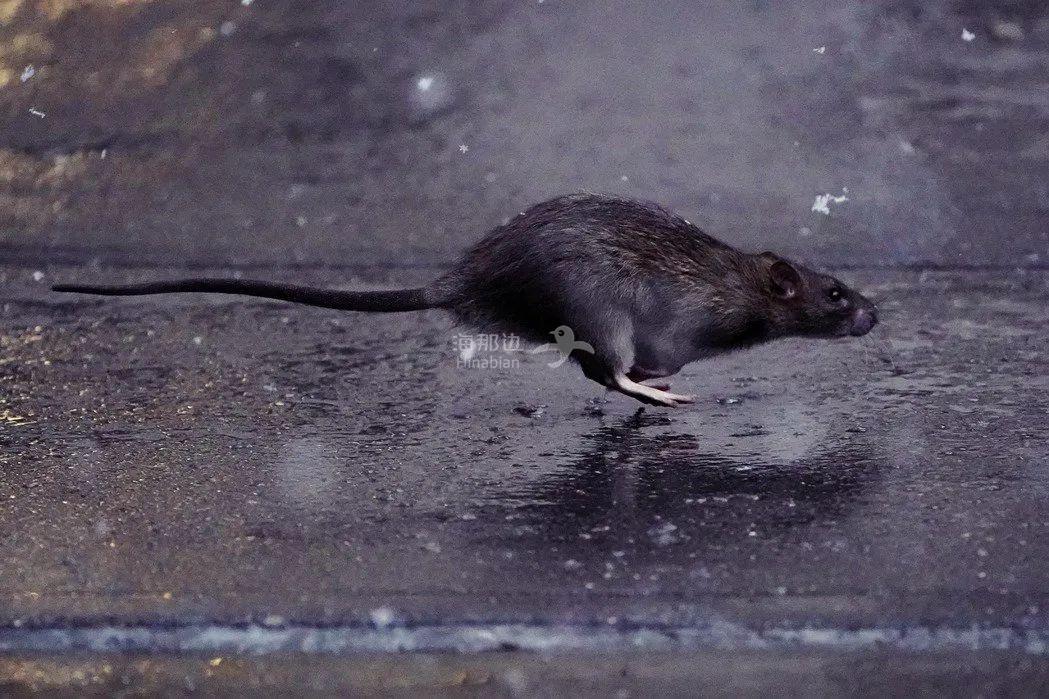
(805, 302)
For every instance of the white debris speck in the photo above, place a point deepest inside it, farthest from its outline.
(823, 202)
(227, 28)
(36, 112)
(103, 154)
(198, 340)
(431, 92)
(572, 564)
(967, 35)
(820, 50)
(28, 72)
(383, 617)
(432, 547)
(805, 232)
(624, 178)
(301, 221)
(245, 3)
(272, 620)
(38, 276)
(463, 147)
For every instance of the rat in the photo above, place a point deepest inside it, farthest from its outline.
(642, 290)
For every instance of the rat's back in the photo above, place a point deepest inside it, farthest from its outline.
(542, 266)
(578, 226)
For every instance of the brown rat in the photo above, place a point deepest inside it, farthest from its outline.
(648, 291)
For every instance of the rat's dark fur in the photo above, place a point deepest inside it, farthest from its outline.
(647, 289)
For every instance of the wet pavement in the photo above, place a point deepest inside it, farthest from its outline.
(204, 461)
(228, 476)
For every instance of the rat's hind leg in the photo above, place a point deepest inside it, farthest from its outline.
(610, 363)
(649, 394)
(649, 378)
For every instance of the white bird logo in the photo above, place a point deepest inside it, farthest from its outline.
(564, 344)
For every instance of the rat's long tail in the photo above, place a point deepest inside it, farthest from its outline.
(392, 301)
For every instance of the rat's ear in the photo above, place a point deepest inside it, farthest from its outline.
(770, 256)
(785, 279)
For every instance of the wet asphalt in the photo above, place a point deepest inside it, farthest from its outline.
(208, 461)
(225, 476)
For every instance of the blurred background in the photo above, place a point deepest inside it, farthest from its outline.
(186, 133)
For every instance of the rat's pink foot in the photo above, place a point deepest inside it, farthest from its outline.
(649, 394)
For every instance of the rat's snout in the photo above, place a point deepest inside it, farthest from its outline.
(864, 319)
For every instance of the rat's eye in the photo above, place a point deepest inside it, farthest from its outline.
(834, 294)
